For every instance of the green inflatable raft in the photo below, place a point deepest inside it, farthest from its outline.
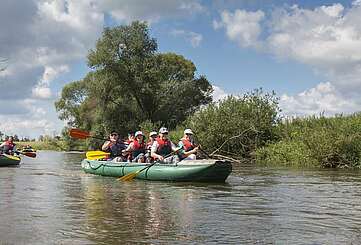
(197, 170)
(9, 160)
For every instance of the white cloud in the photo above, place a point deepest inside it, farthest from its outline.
(50, 73)
(326, 38)
(43, 38)
(28, 117)
(151, 11)
(324, 98)
(27, 127)
(40, 42)
(42, 92)
(193, 38)
(48, 34)
(218, 93)
(241, 26)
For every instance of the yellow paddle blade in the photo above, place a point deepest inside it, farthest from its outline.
(12, 157)
(95, 155)
(129, 177)
(96, 158)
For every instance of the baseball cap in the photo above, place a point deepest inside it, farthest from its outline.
(138, 133)
(163, 130)
(152, 133)
(188, 131)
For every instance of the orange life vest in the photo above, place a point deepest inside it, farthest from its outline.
(138, 148)
(187, 145)
(164, 146)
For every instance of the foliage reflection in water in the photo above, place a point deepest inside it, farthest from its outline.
(50, 200)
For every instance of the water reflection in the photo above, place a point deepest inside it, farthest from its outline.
(50, 200)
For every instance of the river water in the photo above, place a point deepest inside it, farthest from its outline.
(49, 200)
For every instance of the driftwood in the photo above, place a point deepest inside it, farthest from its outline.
(218, 156)
(233, 137)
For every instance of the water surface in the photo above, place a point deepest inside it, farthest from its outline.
(50, 200)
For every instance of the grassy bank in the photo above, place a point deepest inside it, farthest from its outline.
(53, 145)
(316, 141)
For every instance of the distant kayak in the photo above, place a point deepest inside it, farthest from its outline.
(197, 170)
(9, 160)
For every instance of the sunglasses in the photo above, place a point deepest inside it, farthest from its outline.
(189, 134)
(165, 133)
(114, 135)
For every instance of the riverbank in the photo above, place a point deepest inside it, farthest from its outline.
(52, 145)
(326, 142)
(250, 129)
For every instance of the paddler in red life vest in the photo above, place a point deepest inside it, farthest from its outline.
(188, 149)
(130, 139)
(8, 147)
(162, 147)
(137, 148)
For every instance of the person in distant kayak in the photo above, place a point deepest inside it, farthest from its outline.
(8, 147)
(188, 149)
(28, 148)
(114, 145)
(136, 148)
(162, 147)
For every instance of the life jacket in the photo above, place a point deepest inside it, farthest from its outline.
(164, 147)
(187, 145)
(138, 148)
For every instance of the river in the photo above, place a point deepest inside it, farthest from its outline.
(49, 200)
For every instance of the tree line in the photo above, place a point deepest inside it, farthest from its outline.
(132, 86)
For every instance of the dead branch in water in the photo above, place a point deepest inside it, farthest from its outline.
(221, 157)
(233, 137)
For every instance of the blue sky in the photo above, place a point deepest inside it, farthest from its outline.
(308, 52)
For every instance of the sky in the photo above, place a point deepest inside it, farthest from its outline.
(308, 52)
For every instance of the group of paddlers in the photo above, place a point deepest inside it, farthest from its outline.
(158, 147)
(9, 147)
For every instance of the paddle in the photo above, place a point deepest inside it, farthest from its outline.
(81, 134)
(95, 155)
(200, 147)
(131, 176)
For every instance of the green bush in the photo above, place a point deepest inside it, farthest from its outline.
(330, 142)
(286, 153)
(237, 126)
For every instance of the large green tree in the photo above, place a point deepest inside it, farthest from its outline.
(131, 83)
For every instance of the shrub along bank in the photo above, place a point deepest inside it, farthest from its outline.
(329, 142)
(249, 129)
(237, 126)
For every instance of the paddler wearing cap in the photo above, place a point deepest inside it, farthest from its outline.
(152, 137)
(137, 148)
(188, 149)
(162, 147)
(114, 145)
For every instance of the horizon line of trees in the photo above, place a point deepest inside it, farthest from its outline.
(132, 86)
(4, 136)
